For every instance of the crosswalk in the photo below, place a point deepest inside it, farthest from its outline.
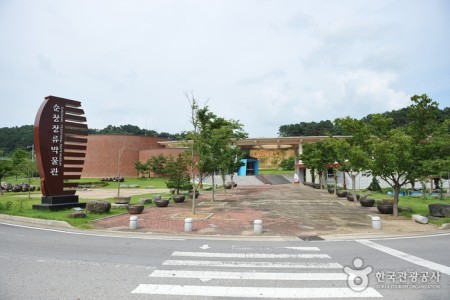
(303, 272)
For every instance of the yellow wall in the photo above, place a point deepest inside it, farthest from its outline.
(270, 159)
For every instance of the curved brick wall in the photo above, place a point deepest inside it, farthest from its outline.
(103, 152)
(146, 154)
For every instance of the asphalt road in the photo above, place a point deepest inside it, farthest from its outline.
(56, 264)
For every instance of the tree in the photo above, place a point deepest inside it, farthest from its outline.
(394, 160)
(30, 167)
(353, 161)
(434, 153)
(177, 173)
(205, 143)
(374, 185)
(142, 168)
(157, 164)
(214, 145)
(227, 156)
(18, 162)
(5, 169)
(318, 156)
(354, 151)
(422, 117)
(311, 158)
(288, 163)
(194, 142)
(233, 161)
(399, 155)
(211, 143)
(119, 156)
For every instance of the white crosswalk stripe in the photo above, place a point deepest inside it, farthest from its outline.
(251, 264)
(248, 255)
(253, 292)
(222, 276)
(248, 275)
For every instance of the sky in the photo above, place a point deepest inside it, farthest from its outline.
(265, 63)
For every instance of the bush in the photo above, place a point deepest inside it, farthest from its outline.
(288, 163)
(374, 185)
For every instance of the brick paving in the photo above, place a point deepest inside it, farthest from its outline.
(286, 210)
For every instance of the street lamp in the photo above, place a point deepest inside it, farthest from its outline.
(32, 151)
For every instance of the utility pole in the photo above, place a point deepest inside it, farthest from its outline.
(32, 151)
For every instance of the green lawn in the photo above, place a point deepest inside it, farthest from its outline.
(18, 204)
(275, 172)
(157, 183)
(419, 205)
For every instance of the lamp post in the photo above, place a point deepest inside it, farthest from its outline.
(32, 151)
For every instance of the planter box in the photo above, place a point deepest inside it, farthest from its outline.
(145, 201)
(162, 202)
(341, 194)
(122, 200)
(178, 198)
(350, 196)
(135, 209)
(191, 194)
(367, 202)
(386, 209)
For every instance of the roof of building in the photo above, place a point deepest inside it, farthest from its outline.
(263, 143)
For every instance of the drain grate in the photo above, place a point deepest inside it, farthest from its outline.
(311, 238)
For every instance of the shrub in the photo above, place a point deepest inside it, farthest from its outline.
(374, 185)
(288, 163)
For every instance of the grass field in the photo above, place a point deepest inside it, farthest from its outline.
(275, 172)
(19, 204)
(419, 205)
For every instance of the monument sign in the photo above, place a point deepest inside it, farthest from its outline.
(60, 139)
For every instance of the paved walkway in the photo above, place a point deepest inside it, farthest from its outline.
(286, 210)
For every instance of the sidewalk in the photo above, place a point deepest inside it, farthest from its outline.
(290, 210)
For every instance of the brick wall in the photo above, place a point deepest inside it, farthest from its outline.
(146, 154)
(103, 152)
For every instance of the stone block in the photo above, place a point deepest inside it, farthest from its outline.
(98, 206)
(78, 214)
(439, 210)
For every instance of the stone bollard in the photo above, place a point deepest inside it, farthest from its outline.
(257, 226)
(188, 224)
(133, 222)
(376, 223)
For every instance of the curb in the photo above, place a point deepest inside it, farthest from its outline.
(52, 223)
(325, 237)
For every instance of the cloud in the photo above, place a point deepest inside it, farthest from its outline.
(265, 63)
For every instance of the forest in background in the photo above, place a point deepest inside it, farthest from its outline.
(12, 138)
(327, 127)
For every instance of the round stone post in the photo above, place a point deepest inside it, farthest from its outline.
(188, 224)
(376, 223)
(133, 222)
(257, 226)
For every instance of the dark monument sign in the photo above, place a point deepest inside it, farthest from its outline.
(60, 139)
